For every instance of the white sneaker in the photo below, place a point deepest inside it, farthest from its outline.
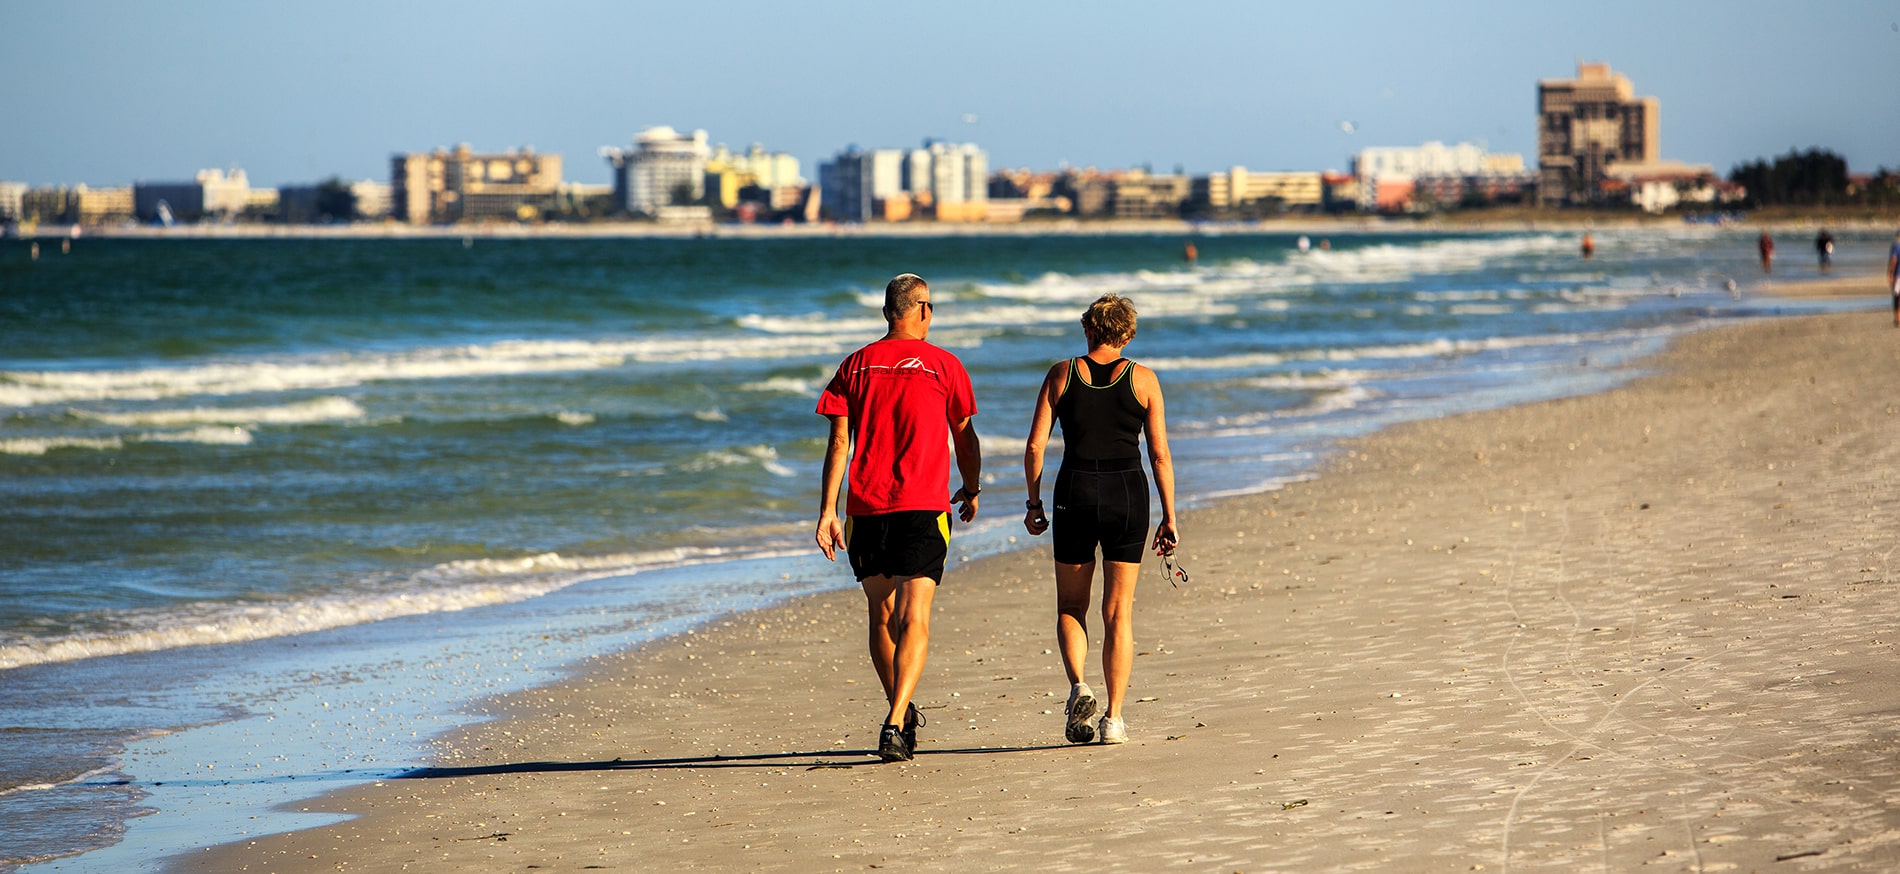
(1078, 713)
(1113, 730)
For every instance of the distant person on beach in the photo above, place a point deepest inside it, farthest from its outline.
(1824, 249)
(1589, 247)
(896, 408)
(1766, 247)
(1104, 402)
(1893, 276)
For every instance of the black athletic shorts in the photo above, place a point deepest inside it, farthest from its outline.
(1106, 508)
(904, 544)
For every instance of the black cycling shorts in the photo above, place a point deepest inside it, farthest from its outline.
(1100, 508)
(905, 544)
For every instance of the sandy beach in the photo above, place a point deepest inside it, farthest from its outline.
(1645, 629)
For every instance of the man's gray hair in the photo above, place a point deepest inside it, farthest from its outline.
(902, 295)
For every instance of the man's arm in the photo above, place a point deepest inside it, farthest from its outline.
(970, 465)
(830, 532)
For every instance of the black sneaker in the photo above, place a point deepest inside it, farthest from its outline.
(912, 719)
(891, 745)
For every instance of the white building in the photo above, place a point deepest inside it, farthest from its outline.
(663, 165)
(1405, 164)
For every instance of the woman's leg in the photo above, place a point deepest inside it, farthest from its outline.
(1118, 634)
(1074, 583)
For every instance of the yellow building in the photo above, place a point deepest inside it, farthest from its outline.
(444, 186)
(77, 205)
(1239, 187)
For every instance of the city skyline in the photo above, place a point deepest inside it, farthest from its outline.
(118, 92)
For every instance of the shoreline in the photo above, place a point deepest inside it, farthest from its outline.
(769, 695)
(1342, 226)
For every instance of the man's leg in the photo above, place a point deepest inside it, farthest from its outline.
(908, 630)
(880, 597)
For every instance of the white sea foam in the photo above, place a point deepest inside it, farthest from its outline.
(43, 445)
(213, 435)
(510, 358)
(569, 417)
(329, 409)
(784, 384)
(764, 456)
(1324, 379)
(1440, 347)
(76, 779)
(447, 587)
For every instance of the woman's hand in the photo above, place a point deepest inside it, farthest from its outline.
(1166, 537)
(1034, 521)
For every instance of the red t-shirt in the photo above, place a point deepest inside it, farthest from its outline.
(902, 396)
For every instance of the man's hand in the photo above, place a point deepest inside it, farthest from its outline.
(967, 500)
(830, 535)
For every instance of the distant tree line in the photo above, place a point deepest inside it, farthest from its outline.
(1816, 177)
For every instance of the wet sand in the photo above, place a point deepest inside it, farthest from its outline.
(1651, 628)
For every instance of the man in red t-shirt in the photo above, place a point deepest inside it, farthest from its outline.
(896, 408)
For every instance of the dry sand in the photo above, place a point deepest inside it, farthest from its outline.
(1651, 628)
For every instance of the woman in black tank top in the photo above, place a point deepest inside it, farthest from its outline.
(1104, 403)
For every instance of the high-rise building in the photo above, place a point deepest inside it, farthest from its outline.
(949, 181)
(1586, 124)
(664, 168)
(444, 186)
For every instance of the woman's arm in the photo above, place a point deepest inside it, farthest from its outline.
(1034, 519)
(1148, 392)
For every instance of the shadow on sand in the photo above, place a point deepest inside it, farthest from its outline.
(810, 761)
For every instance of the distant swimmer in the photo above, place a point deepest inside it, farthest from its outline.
(1893, 276)
(1766, 246)
(1325, 244)
(1824, 249)
(1190, 253)
(1305, 244)
(1589, 247)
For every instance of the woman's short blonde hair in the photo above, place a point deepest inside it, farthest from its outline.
(1110, 321)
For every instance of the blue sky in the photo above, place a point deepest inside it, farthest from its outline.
(108, 92)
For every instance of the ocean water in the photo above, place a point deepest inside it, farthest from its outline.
(275, 512)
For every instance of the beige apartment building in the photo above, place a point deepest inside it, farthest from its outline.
(464, 185)
(1586, 124)
(78, 204)
(1239, 187)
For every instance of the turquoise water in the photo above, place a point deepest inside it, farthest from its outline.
(229, 467)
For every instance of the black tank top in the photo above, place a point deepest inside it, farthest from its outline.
(1103, 421)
